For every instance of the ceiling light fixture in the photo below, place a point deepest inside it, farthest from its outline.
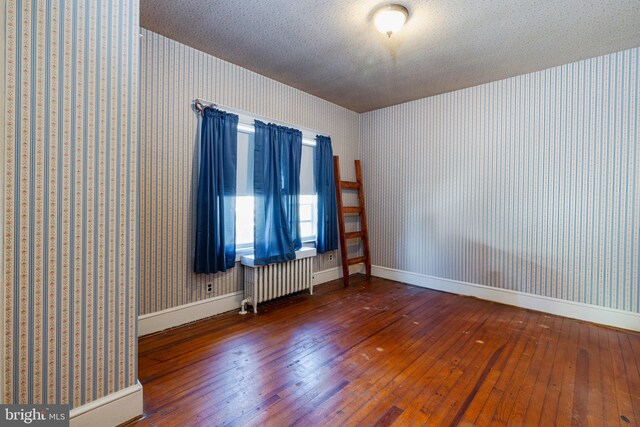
(390, 18)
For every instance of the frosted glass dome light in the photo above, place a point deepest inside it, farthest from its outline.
(390, 18)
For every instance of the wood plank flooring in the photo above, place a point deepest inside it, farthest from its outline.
(382, 353)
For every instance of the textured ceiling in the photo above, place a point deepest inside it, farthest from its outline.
(332, 50)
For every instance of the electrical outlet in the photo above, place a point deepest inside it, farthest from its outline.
(209, 288)
(331, 257)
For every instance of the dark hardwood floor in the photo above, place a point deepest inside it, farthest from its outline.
(382, 353)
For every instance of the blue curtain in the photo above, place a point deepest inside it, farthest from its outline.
(276, 187)
(327, 239)
(216, 214)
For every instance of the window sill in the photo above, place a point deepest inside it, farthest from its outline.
(310, 244)
(243, 252)
(303, 252)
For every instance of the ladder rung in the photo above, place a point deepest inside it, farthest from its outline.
(349, 184)
(352, 209)
(353, 234)
(357, 260)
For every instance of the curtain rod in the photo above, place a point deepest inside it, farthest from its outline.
(200, 104)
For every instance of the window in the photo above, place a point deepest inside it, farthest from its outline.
(244, 191)
(308, 217)
(244, 222)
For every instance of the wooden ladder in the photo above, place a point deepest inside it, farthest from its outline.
(351, 210)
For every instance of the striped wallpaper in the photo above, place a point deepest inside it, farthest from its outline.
(69, 199)
(529, 184)
(172, 75)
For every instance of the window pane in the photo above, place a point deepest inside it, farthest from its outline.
(244, 183)
(305, 212)
(307, 182)
(244, 220)
(306, 229)
(308, 213)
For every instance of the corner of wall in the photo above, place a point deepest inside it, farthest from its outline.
(2, 148)
(359, 146)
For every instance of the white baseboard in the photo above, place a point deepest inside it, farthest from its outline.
(111, 410)
(176, 316)
(575, 310)
(334, 273)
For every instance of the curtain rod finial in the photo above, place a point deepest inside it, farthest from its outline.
(199, 105)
